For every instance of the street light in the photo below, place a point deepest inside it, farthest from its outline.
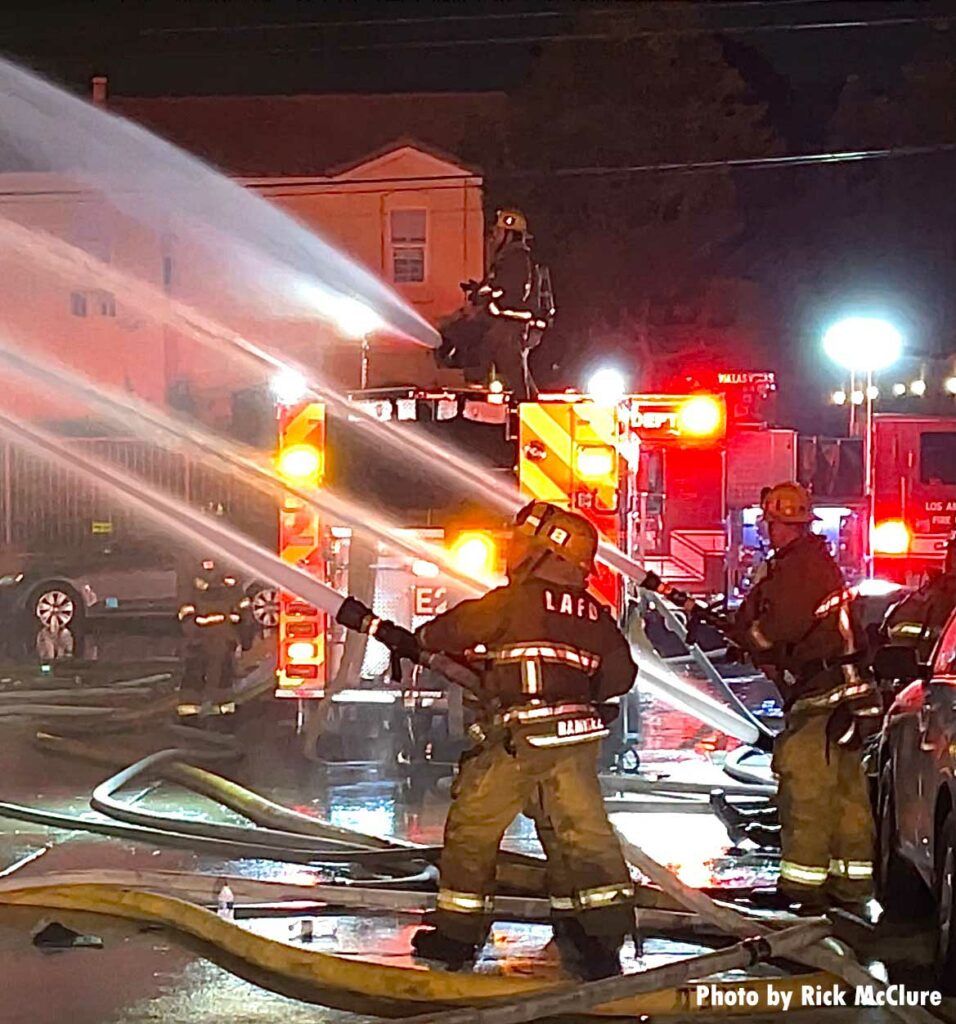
(863, 345)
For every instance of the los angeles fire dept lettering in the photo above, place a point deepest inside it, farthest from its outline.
(578, 605)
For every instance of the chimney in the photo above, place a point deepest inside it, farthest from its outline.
(100, 85)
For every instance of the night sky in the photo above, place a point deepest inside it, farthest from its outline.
(192, 47)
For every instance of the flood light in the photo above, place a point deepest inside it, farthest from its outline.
(863, 343)
(475, 553)
(607, 386)
(288, 386)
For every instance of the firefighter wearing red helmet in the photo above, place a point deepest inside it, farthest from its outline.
(549, 655)
(798, 624)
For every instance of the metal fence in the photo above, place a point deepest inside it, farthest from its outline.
(45, 507)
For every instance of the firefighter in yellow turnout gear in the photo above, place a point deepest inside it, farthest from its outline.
(797, 623)
(549, 656)
(216, 618)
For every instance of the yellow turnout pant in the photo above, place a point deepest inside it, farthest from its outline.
(585, 862)
(826, 833)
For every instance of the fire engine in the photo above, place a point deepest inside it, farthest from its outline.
(903, 527)
(654, 473)
(673, 480)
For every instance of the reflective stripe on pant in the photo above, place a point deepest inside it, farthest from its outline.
(826, 834)
(586, 865)
(209, 668)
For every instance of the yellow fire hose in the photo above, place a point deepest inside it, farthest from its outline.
(358, 985)
(612, 991)
(303, 898)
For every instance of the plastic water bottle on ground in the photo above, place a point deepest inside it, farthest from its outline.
(226, 903)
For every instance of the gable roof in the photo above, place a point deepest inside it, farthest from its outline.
(251, 136)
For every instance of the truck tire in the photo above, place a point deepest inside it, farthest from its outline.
(898, 886)
(946, 906)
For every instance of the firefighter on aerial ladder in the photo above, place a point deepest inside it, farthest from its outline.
(216, 619)
(797, 624)
(548, 656)
(507, 313)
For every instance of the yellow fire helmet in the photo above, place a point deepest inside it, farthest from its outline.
(788, 503)
(510, 219)
(542, 526)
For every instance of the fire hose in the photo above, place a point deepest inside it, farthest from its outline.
(583, 998)
(656, 588)
(517, 872)
(835, 959)
(361, 986)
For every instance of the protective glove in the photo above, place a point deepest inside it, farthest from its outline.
(353, 614)
(765, 742)
(399, 640)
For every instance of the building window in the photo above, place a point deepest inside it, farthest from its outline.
(408, 246)
(94, 302)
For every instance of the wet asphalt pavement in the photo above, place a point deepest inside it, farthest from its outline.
(144, 975)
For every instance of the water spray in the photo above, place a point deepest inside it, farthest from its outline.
(176, 516)
(149, 421)
(68, 260)
(158, 185)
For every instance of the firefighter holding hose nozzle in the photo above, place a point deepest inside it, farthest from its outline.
(798, 624)
(548, 656)
(543, 657)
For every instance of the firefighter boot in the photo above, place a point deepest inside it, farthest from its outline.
(727, 815)
(431, 944)
(767, 837)
(591, 957)
(761, 825)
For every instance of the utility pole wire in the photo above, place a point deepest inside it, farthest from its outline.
(623, 36)
(621, 10)
(686, 167)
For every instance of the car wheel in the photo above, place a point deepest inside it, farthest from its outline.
(946, 906)
(265, 607)
(898, 886)
(56, 605)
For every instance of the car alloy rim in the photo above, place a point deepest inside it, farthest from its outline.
(265, 607)
(54, 608)
(946, 902)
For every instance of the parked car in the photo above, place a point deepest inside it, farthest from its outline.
(916, 794)
(113, 580)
